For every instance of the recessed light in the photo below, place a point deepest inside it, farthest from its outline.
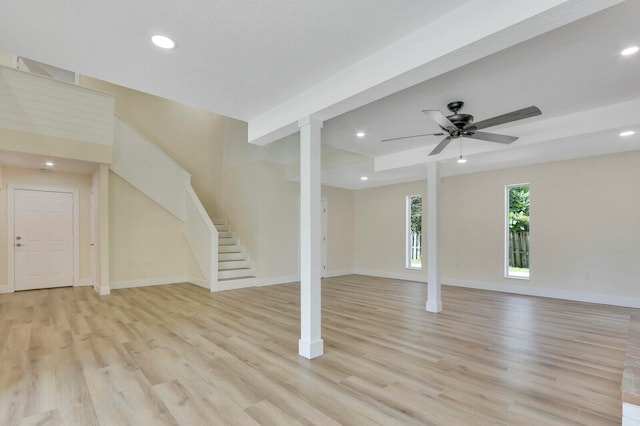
(360, 134)
(630, 50)
(49, 164)
(163, 42)
(364, 178)
(627, 133)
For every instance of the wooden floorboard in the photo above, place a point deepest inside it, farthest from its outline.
(177, 354)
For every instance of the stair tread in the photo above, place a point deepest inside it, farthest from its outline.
(237, 278)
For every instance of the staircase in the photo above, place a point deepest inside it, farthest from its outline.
(235, 269)
(89, 118)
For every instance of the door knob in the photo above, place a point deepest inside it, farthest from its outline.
(18, 238)
(18, 245)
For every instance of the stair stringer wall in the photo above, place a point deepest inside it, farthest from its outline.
(149, 169)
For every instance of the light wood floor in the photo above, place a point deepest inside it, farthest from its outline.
(180, 355)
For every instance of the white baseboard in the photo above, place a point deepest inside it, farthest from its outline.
(236, 284)
(261, 282)
(83, 282)
(419, 278)
(602, 299)
(101, 290)
(144, 282)
(339, 273)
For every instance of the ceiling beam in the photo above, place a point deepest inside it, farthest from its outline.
(475, 30)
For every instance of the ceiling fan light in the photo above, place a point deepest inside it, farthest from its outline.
(462, 160)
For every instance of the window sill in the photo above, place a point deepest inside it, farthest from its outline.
(518, 277)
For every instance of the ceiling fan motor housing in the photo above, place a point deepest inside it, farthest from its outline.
(460, 120)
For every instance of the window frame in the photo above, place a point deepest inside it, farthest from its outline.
(506, 232)
(407, 231)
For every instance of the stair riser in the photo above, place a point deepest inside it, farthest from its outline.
(236, 264)
(226, 241)
(230, 249)
(232, 256)
(237, 283)
(236, 273)
(225, 234)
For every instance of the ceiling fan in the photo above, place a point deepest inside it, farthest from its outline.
(458, 125)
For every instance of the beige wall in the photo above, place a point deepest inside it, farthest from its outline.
(146, 242)
(262, 206)
(6, 59)
(340, 229)
(191, 136)
(155, 250)
(19, 176)
(277, 202)
(584, 225)
(3, 235)
(380, 230)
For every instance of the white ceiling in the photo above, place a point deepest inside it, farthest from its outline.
(365, 65)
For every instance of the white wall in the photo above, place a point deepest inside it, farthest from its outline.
(79, 124)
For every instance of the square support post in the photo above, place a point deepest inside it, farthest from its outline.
(434, 298)
(310, 344)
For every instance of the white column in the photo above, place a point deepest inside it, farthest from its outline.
(434, 299)
(310, 344)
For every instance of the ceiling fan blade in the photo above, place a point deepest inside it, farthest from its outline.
(492, 137)
(413, 136)
(441, 146)
(439, 118)
(520, 114)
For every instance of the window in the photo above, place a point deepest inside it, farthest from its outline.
(517, 231)
(414, 232)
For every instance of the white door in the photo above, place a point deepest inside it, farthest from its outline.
(43, 233)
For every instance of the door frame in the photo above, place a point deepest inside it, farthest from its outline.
(324, 237)
(11, 188)
(93, 233)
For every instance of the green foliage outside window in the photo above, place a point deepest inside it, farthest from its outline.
(416, 215)
(519, 209)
